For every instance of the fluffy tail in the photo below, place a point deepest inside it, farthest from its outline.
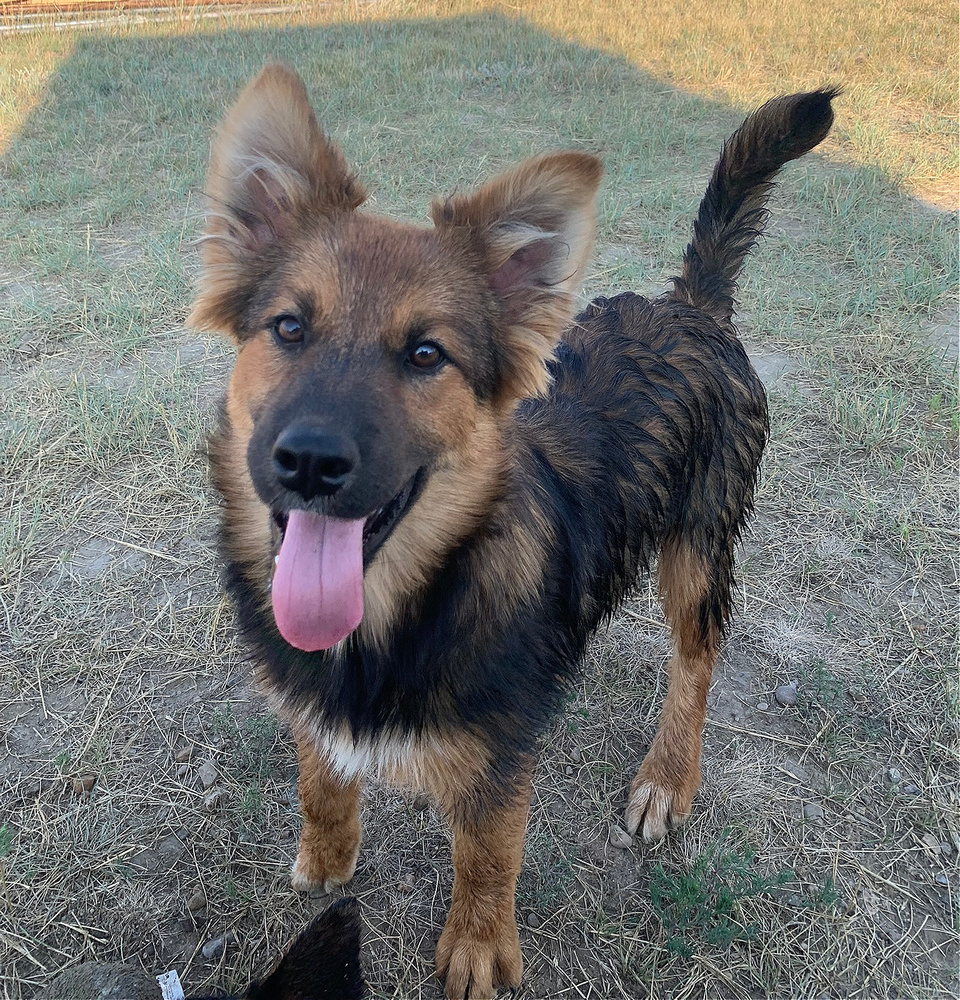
(732, 214)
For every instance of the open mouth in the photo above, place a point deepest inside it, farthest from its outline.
(380, 524)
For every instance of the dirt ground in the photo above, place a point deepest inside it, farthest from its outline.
(845, 790)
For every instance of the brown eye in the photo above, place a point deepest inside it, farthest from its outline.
(288, 329)
(426, 355)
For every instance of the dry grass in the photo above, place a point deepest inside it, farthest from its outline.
(117, 650)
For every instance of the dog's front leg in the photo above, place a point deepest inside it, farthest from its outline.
(480, 946)
(330, 838)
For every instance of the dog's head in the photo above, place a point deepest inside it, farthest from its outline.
(378, 362)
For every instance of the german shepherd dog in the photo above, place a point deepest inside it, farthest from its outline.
(436, 486)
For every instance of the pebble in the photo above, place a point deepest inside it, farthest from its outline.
(795, 769)
(812, 812)
(208, 773)
(945, 847)
(183, 770)
(568, 771)
(619, 837)
(575, 756)
(942, 879)
(213, 799)
(930, 841)
(786, 695)
(146, 860)
(216, 945)
(84, 783)
(910, 789)
(763, 705)
(183, 755)
(197, 901)
(172, 847)
(533, 920)
(894, 775)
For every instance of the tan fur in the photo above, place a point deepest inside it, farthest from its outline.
(480, 947)
(548, 200)
(668, 778)
(330, 838)
(270, 162)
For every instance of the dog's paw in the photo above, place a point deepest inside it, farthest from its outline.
(473, 966)
(659, 803)
(323, 868)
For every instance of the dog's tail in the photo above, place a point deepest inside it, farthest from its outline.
(733, 213)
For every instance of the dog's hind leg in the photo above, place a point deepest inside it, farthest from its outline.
(695, 591)
(330, 838)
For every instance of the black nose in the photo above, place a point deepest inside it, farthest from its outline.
(313, 463)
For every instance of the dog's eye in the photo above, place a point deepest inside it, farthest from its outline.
(288, 329)
(426, 356)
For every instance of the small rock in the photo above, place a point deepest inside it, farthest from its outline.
(930, 841)
(420, 803)
(619, 837)
(83, 783)
(183, 770)
(910, 789)
(214, 946)
(170, 848)
(575, 756)
(812, 812)
(941, 879)
(146, 861)
(208, 773)
(945, 847)
(568, 771)
(763, 705)
(196, 902)
(183, 755)
(894, 775)
(533, 920)
(786, 695)
(212, 799)
(795, 769)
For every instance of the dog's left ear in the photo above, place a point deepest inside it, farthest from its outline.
(531, 230)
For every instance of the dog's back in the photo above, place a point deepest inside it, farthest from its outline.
(656, 421)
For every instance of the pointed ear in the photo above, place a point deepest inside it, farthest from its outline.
(323, 963)
(533, 230)
(271, 171)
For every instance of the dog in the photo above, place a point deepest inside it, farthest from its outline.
(436, 486)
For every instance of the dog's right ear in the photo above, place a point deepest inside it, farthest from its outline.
(272, 170)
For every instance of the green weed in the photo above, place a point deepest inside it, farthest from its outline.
(703, 903)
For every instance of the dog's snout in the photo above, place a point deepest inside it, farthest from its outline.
(313, 463)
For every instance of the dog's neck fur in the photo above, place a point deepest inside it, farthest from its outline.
(401, 573)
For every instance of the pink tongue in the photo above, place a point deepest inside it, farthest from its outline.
(318, 583)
